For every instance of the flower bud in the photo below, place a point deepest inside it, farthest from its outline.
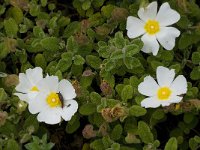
(11, 80)
(88, 132)
(3, 117)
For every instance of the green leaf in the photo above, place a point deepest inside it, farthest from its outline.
(95, 98)
(87, 109)
(158, 114)
(50, 43)
(119, 40)
(131, 50)
(38, 32)
(97, 145)
(188, 117)
(31, 124)
(116, 132)
(73, 125)
(93, 61)
(79, 60)
(195, 74)
(132, 62)
(196, 57)
(71, 29)
(137, 111)
(12, 145)
(16, 13)
(110, 65)
(117, 55)
(145, 132)
(86, 4)
(127, 92)
(11, 27)
(40, 61)
(3, 95)
(43, 3)
(63, 65)
(72, 46)
(188, 39)
(171, 144)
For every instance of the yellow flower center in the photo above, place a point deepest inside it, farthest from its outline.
(53, 100)
(152, 27)
(35, 89)
(164, 93)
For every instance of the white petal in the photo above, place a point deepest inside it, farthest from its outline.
(165, 76)
(49, 83)
(179, 85)
(149, 12)
(167, 16)
(24, 84)
(173, 99)
(69, 109)
(166, 37)
(34, 75)
(66, 89)
(148, 87)
(32, 95)
(134, 27)
(22, 97)
(150, 44)
(50, 116)
(38, 104)
(150, 102)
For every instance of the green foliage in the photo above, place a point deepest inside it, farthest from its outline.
(171, 144)
(39, 144)
(145, 132)
(86, 42)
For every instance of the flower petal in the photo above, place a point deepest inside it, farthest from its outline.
(50, 116)
(150, 44)
(148, 87)
(49, 83)
(179, 85)
(69, 109)
(149, 12)
(34, 75)
(38, 104)
(24, 84)
(150, 102)
(167, 16)
(23, 97)
(66, 89)
(134, 27)
(173, 99)
(166, 37)
(165, 76)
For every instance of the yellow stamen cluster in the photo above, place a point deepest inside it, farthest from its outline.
(164, 93)
(152, 27)
(53, 100)
(35, 89)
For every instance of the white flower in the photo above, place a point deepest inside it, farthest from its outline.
(54, 101)
(154, 27)
(28, 83)
(166, 91)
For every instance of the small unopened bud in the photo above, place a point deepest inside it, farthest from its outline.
(106, 88)
(88, 132)
(21, 106)
(3, 117)
(103, 129)
(106, 114)
(11, 80)
(87, 73)
(77, 87)
(119, 14)
(112, 114)
(118, 111)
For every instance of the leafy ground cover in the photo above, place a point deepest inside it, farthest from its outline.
(86, 43)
